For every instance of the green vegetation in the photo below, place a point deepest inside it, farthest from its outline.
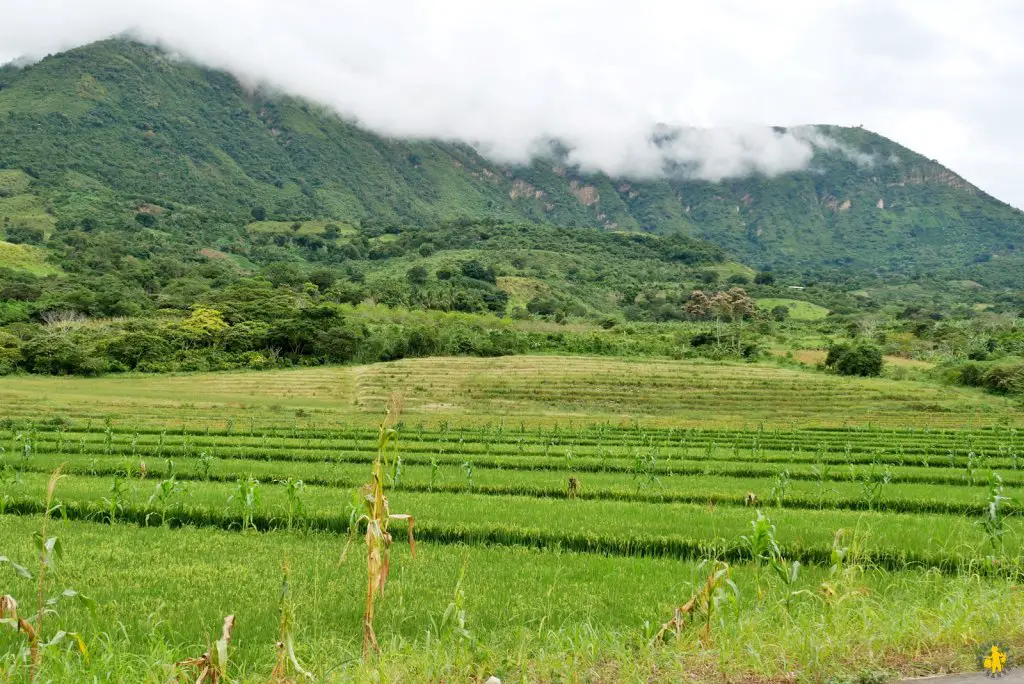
(795, 309)
(218, 228)
(863, 530)
(857, 359)
(609, 480)
(27, 258)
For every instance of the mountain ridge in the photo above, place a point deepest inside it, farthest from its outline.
(111, 130)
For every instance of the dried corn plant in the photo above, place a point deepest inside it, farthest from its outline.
(701, 605)
(213, 665)
(378, 518)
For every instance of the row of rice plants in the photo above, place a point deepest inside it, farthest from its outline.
(604, 526)
(971, 470)
(859, 489)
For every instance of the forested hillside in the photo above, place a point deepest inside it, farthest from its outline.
(117, 132)
(160, 216)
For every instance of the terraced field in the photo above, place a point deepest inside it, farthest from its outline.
(539, 390)
(563, 508)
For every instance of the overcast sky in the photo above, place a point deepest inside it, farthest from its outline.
(943, 77)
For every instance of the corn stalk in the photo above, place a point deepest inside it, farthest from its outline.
(213, 665)
(287, 662)
(378, 518)
(701, 604)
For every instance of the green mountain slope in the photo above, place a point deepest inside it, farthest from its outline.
(118, 131)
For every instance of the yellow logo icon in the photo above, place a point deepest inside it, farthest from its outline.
(994, 660)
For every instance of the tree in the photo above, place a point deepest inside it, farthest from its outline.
(764, 278)
(10, 352)
(780, 313)
(24, 234)
(477, 271)
(203, 328)
(496, 301)
(733, 306)
(542, 305)
(698, 306)
(60, 353)
(133, 347)
(857, 359)
(708, 277)
(145, 220)
(417, 275)
(259, 214)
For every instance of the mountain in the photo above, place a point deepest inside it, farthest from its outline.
(117, 131)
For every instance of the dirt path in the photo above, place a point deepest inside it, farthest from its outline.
(1015, 676)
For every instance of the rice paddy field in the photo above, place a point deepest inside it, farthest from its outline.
(827, 529)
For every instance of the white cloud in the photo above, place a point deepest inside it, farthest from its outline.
(600, 74)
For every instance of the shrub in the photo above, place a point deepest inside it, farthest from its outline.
(859, 359)
(1006, 378)
(417, 275)
(477, 271)
(24, 235)
(970, 374)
